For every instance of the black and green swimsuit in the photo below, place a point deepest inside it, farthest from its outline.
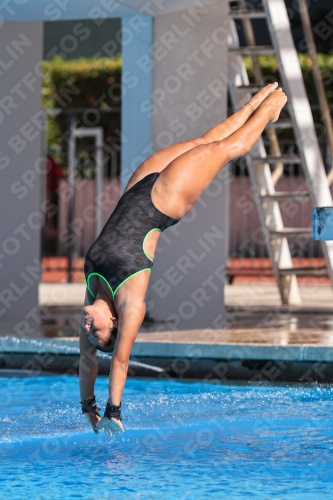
(118, 252)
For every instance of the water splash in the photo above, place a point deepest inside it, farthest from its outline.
(182, 440)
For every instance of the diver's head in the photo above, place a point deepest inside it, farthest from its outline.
(100, 322)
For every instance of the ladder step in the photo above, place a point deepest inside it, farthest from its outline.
(305, 271)
(247, 14)
(281, 124)
(286, 195)
(290, 232)
(249, 50)
(249, 88)
(293, 159)
(296, 121)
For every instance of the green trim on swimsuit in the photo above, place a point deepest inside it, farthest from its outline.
(143, 243)
(106, 281)
(141, 270)
(100, 276)
(113, 293)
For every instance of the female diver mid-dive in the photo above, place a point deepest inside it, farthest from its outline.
(161, 191)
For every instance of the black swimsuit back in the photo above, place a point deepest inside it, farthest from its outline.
(118, 252)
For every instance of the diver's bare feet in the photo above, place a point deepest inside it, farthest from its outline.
(260, 96)
(274, 103)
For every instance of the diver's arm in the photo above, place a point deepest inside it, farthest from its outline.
(130, 320)
(88, 369)
(88, 366)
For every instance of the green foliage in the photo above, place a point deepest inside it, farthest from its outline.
(92, 77)
(80, 83)
(270, 71)
(95, 83)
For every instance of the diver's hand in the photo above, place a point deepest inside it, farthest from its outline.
(111, 427)
(93, 420)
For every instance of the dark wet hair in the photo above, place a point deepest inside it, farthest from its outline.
(109, 345)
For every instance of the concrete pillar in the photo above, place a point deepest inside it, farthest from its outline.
(22, 173)
(136, 125)
(190, 97)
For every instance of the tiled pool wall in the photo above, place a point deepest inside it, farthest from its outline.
(214, 363)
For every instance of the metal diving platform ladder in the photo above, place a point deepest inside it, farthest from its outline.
(266, 168)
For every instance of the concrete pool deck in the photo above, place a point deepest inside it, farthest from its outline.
(255, 294)
(259, 339)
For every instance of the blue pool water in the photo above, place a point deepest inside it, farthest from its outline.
(182, 441)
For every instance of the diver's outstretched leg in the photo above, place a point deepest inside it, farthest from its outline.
(182, 182)
(159, 161)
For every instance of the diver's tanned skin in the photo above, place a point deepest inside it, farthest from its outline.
(186, 169)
